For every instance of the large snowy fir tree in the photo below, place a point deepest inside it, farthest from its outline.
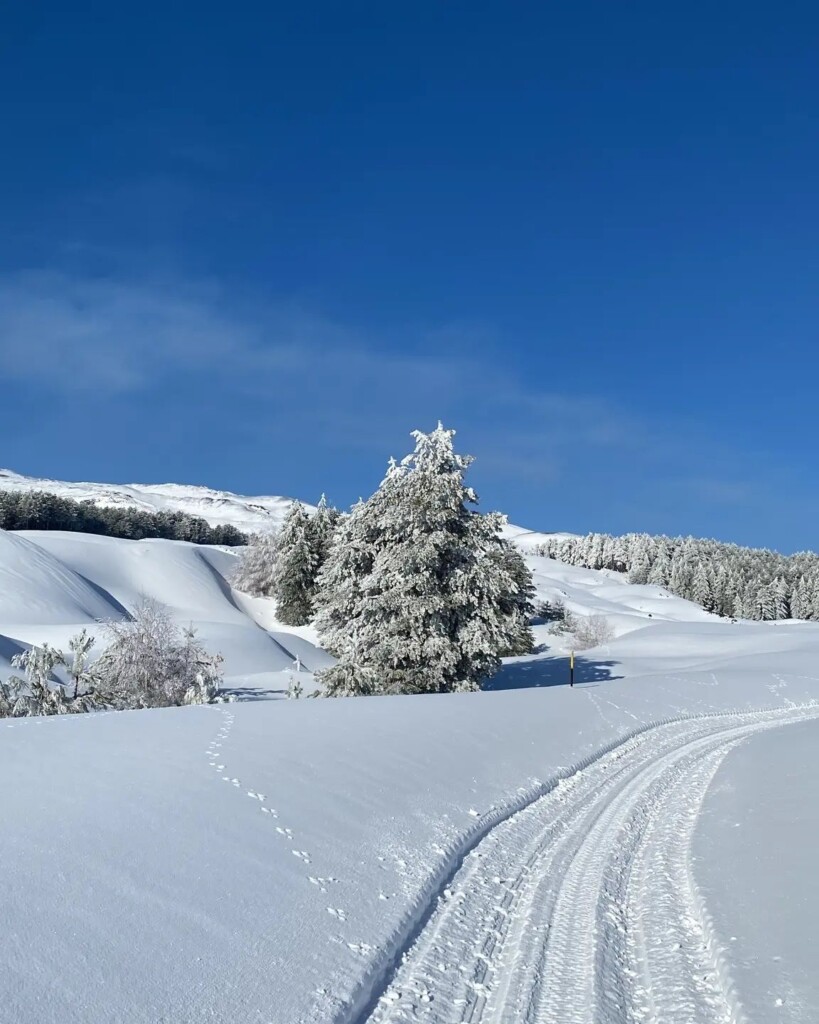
(420, 593)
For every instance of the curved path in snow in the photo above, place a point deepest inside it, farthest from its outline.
(582, 908)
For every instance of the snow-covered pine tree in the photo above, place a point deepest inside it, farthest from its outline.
(294, 569)
(701, 591)
(415, 596)
(638, 573)
(254, 573)
(661, 567)
(77, 667)
(320, 529)
(517, 595)
(780, 599)
(800, 599)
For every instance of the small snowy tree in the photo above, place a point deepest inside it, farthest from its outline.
(294, 569)
(320, 529)
(77, 667)
(40, 692)
(701, 592)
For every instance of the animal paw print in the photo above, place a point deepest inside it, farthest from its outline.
(362, 948)
(322, 883)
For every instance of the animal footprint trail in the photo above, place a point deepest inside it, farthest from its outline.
(214, 754)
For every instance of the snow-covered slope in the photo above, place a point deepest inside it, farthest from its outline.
(52, 584)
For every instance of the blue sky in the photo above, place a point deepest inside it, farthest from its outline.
(254, 245)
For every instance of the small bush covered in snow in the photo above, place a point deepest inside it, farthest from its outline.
(592, 631)
(152, 662)
(149, 662)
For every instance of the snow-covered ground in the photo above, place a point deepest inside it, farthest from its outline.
(521, 854)
(761, 817)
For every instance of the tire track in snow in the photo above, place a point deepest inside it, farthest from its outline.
(580, 908)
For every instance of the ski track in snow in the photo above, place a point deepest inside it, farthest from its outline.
(581, 907)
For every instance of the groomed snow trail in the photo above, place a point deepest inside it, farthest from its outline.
(582, 908)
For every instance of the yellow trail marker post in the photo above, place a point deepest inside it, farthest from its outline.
(571, 669)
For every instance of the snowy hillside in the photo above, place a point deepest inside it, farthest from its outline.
(52, 584)
(398, 859)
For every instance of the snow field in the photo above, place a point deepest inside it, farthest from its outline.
(305, 862)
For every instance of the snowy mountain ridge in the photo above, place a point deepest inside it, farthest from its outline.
(251, 514)
(218, 508)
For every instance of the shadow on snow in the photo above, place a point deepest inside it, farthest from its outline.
(518, 675)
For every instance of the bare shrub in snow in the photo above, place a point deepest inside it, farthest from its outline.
(592, 631)
(151, 662)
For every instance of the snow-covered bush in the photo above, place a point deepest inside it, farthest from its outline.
(151, 662)
(592, 631)
(550, 611)
(78, 665)
(562, 619)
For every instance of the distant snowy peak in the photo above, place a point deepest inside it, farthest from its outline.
(219, 508)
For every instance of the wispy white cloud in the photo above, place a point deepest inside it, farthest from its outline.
(271, 365)
(72, 334)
